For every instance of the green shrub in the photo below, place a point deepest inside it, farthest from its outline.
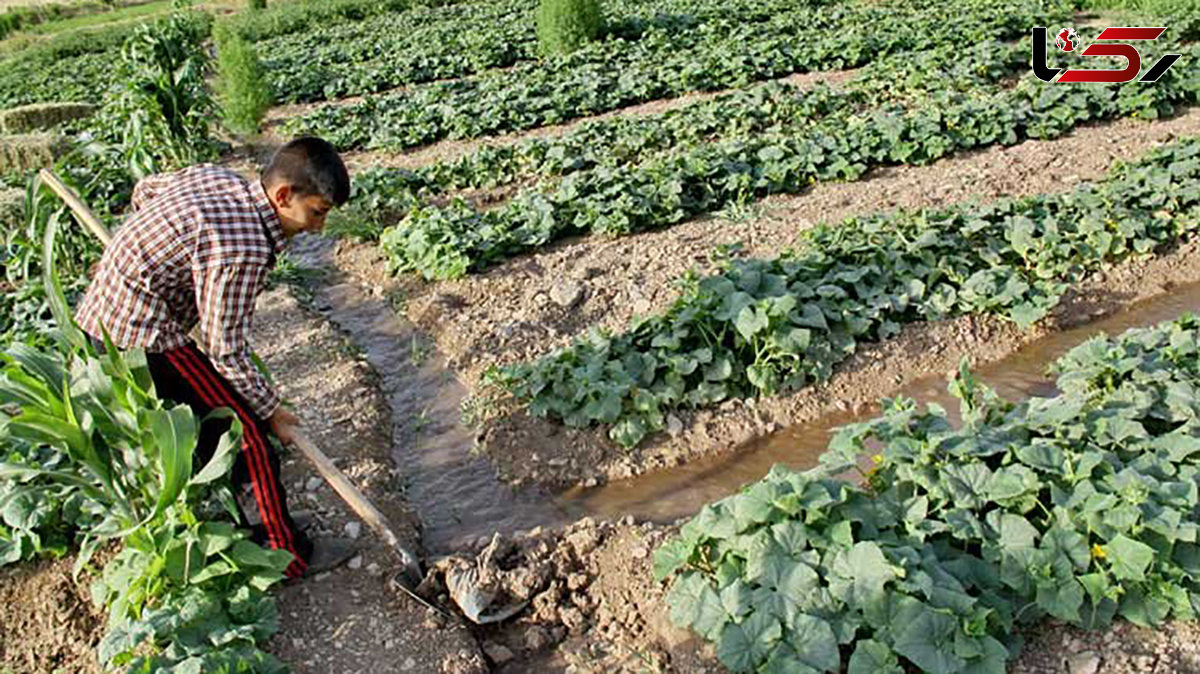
(256, 4)
(242, 88)
(566, 25)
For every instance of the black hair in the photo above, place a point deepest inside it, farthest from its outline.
(311, 166)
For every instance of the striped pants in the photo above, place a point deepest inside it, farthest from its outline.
(186, 376)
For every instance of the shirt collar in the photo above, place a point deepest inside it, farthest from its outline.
(271, 223)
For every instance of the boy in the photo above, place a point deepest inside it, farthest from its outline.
(196, 251)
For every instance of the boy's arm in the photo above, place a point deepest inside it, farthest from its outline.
(225, 294)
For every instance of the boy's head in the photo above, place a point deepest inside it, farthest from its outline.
(304, 180)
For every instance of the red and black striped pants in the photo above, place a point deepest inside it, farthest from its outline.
(186, 376)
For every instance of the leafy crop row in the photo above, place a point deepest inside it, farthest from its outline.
(423, 45)
(1082, 507)
(690, 179)
(76, 66)
(615, 73)
(764, 326)
(382, 193)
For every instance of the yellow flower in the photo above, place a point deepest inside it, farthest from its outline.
(878, 459)
(1098, 552)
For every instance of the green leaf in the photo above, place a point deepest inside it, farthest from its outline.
(928, 642)
(225, 455)
(671, 557)
(814, 643)
(1061, 599)
(695, 604)
(751, 321)
(872, 657)
(743, 647)
(1128, 558)
(173, 433)
(859, 574)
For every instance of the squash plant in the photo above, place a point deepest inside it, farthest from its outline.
(1082, 507)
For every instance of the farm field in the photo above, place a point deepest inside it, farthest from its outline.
(805, 336)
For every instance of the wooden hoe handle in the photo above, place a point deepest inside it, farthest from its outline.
(81, 210)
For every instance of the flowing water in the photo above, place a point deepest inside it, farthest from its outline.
(668, 495)
(459, 497)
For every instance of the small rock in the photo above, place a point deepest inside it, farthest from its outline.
(590, 483)
(321, 576)
(374, 569)
(674, 425)
(499, 653)
(355, 562)
(1087, 662)
(353, 529)
(408, 664)
(566, 293)
(536, 638)
(314, 483)
(639, 552)
(627, 520)
(541, 299)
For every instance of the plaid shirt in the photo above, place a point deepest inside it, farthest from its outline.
(197, 249)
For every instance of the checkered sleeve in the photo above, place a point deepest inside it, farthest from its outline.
(225, 295)
(147, 188)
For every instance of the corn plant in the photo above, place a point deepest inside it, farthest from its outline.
(91, 423)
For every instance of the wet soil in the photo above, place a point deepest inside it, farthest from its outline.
(347, 620)
(455, 493)
(506, 315)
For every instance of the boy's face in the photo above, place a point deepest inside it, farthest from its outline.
(298, 213)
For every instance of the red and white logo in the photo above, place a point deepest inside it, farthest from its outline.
(1066, 39)
(1114, 39)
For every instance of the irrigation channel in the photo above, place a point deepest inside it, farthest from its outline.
(460, 499)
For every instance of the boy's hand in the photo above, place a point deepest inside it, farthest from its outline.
(284, 425)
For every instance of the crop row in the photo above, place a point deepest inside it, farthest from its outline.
(612, 74)
(381, 193)
(1081, 507)
(452, 240)
(764, 326)
(76, 66)
(423, 45)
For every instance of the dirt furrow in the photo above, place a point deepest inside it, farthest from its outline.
(347, 620)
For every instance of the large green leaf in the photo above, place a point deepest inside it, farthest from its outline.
(743, 647)
(1128, 558)
(173, 433)
(872, 657)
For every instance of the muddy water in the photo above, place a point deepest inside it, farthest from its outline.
(668, 495)
(456, 494)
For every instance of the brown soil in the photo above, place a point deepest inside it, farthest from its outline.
(50, 624)
(1173, 648)
(506, 315)
(347, 620)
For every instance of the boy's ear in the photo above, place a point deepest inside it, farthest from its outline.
(282, 194)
